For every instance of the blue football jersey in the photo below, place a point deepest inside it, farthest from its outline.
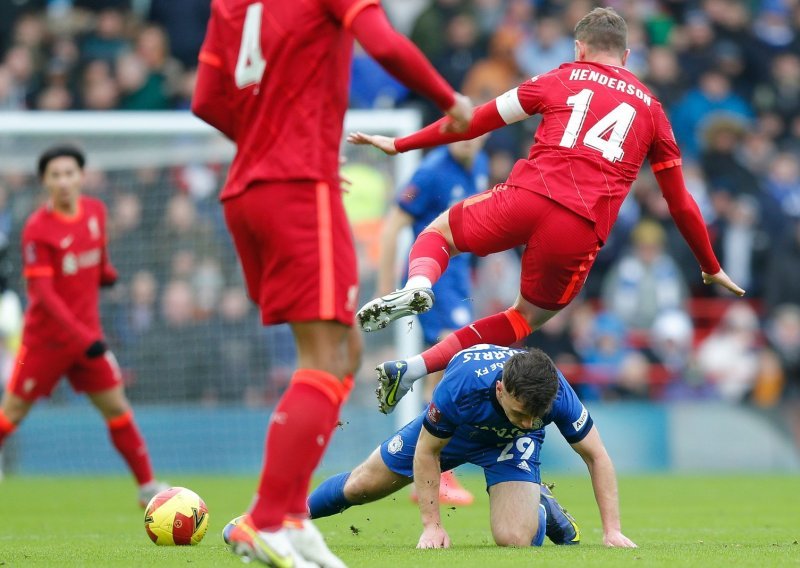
(439, 183)
(464, 404)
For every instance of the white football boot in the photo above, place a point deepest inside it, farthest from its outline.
(269, 548)
(380, 312)
(309, 543)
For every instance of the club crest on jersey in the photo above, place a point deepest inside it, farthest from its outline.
(434, 414)
(70, 264)
(94, 227)
(30, 253)
(395, 444)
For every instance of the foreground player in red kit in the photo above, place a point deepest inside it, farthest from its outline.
(65, 264)
(273, 77)
(599, 124)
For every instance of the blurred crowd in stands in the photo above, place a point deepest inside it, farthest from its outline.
(727, 71)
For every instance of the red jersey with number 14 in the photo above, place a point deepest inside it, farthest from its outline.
(71, 251)
(287, 67)
(599, 124)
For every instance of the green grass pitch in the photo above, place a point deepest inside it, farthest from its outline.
(677, 521)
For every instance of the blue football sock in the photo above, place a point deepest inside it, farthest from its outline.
(538, 540)
(328, 499)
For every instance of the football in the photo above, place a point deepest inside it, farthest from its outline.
(176, 517)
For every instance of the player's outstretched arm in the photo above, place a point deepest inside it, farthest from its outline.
(485, 119)
(687, 217)
(604, 483)
(400, 57)
(427, 473)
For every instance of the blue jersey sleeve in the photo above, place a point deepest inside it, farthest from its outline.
(442, 417)
(569, 414)
(418, 197)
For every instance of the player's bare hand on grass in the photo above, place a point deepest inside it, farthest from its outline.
(460, 115)
(434, 536)
(383, 143)
(723, 280)
(616, 539)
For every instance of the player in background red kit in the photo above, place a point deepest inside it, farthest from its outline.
(274, 78)
(65, 263)
(599, 124)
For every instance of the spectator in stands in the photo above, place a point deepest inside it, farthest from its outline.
(546, 49)
(782, 280)
(461, 48)
(783, 333)
(127, 238)
(185, 23)
(238, 348)
(729, 358)
(664, 76)
(691, 114)
(604, 357)
(741, 244)
(170, 359)
(427, 31)
(646, 281)
(107, 41)
(780, 95)
(782, 184)
(141, 312)
(140, 89)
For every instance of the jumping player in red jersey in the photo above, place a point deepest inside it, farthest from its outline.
(273, 77)
(599, 124)
(65, 265)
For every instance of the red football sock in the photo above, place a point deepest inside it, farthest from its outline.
(429, 255)
(298, 434)
(6, 428)
(504, 328)
(130, 444)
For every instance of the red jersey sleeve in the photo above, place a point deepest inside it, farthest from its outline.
(345, 11)
(664, 152)
(529, 97)
(211, 100)
(37, 256)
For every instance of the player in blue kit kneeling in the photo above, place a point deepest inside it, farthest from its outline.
(489, 410)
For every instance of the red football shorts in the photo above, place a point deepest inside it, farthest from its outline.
(38, 369)
(560, 246)
(296, 250)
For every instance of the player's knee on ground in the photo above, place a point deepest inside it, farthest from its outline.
(509, 533)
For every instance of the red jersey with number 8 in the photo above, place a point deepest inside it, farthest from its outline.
(288, 68)
(599, 124)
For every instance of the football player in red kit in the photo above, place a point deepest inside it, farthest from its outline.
(274, 78)
(65, 263)
(599, 124)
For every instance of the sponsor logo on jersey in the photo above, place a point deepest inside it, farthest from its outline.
(578, 424)
(66, 241)
(395, 444)
(69, 265)
(524, 466)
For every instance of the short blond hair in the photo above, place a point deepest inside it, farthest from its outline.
(603, 30)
